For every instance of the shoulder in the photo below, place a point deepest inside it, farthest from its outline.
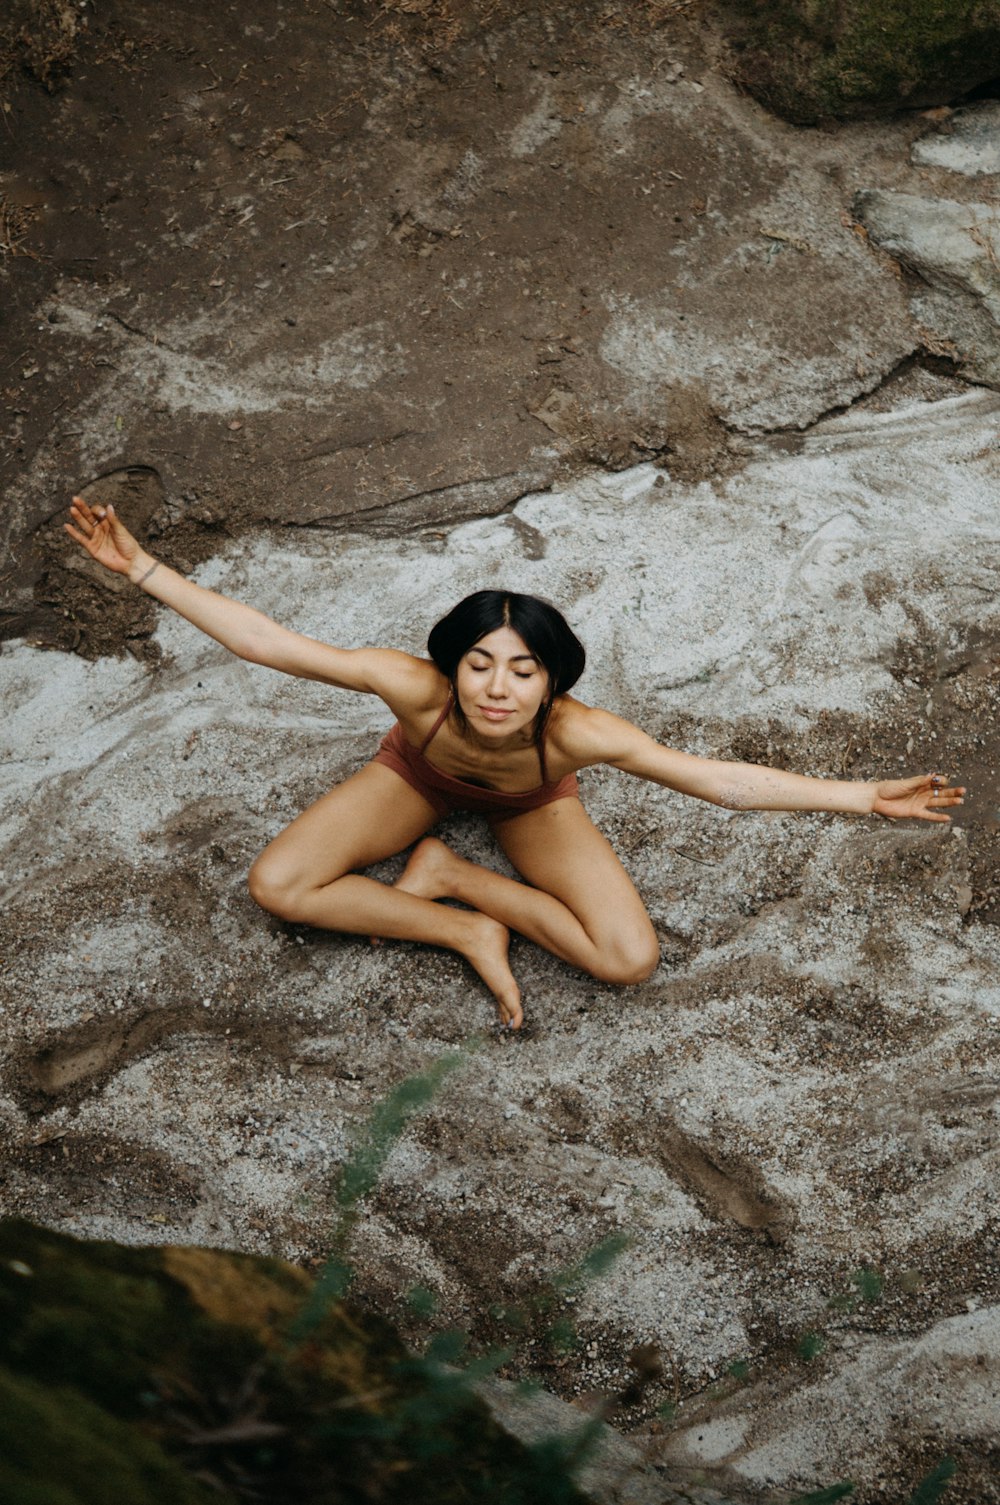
(407, 684)
(586, 735)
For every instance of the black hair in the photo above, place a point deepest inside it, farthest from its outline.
(544, 629)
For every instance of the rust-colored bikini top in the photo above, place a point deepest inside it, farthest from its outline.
(465, 789)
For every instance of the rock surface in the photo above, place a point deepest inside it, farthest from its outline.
(271, 364)
(921, 1383)
(804, 1089)
(849, 58)
(953, 247)
(968, 142)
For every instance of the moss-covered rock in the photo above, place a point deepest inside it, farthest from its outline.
(182, 1376)
(811, 60)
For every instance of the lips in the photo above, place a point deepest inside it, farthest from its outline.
(494, 715)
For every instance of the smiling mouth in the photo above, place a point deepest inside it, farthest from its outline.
(494, 714)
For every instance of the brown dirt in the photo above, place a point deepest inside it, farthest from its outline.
(172, 164)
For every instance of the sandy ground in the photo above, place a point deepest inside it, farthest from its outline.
(358, 322)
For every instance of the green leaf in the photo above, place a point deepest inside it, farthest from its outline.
(422, 1302)
(868, 1283)
(600, 1259)
(361, 1171)
(810, 1346)
(930, 1489)
(826, 1496)
(563, 1335)
(447, 1347)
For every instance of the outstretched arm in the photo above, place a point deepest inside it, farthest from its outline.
(242, 629)
(750, 786)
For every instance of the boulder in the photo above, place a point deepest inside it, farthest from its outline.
(848, 58)
(184, 1376)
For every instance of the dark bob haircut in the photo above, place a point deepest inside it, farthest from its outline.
(545, 630)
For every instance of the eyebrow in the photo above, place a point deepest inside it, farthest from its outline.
(514, 659)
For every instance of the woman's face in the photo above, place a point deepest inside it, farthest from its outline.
(501, 685)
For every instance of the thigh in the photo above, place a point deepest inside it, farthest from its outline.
(558, 849)
(372, 815)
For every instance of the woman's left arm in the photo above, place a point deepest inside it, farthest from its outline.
(751, 786)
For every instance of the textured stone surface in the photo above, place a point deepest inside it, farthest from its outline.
(555, 305)
(954, 248)
(853, 58)
(806, 1087)
(968, 142)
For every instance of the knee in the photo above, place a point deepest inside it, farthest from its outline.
(630, 964)
(272, 888)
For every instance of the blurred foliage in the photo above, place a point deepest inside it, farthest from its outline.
(166, 1375)
(810, 1346)
(930, 1489)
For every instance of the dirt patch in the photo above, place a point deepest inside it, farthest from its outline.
(402, 265)
(80, 1060)
(67, 1167)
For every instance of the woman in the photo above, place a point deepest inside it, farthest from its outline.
(485, 724)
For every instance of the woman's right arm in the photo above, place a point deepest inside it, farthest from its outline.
(242, 629)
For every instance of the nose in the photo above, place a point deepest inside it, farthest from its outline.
(497, 689)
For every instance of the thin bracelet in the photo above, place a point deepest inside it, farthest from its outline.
(143, 578)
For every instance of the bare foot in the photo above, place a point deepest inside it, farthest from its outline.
(426, 873)
(486, 951)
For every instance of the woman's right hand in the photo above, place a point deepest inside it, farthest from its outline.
(105, 539)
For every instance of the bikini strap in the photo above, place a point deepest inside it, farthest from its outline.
(541, 759)
(439, 723)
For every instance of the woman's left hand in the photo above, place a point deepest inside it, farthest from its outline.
(925, 797)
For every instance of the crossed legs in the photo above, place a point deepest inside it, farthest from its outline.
(577, 900)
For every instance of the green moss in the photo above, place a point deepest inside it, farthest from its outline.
(99, 1316)
(58, 1448)
(123, 1372)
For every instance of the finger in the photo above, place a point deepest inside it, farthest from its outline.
(84, 522)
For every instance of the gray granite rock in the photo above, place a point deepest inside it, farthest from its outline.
(968, 142)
